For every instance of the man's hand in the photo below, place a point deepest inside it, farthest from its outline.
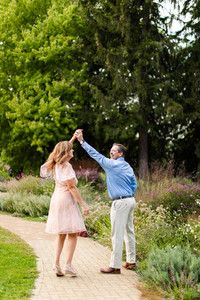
(79, 135)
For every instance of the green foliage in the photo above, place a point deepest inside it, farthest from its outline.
(175, 270)
(155, 187)
(130, 79)
(188, 234)
(29, 196)
(98, 223)
(23, 204)
(4, 175)
(154, 225)
(43, 77)
(91, 194)
(187, 80)
(89, 63)
(181, 200)
(162, 230)
(17, 269)
(29, 184)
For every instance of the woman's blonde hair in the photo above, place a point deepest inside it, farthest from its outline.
(59, 155)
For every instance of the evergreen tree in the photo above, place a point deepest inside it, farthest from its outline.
(186, 146)
(130, 74)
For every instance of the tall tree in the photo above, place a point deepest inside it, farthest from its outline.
(42, 77)
(129, 76)
(188, 74)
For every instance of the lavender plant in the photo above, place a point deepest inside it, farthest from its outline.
(176, 270)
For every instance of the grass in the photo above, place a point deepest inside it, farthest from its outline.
(17, 268)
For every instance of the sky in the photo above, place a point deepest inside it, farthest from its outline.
(168, 9)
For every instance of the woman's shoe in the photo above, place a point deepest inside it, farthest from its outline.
(58, 271)
(69, 270)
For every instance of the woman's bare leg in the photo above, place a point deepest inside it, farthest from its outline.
(71, 246)
(59, 246)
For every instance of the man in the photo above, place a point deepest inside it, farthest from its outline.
(121, 185)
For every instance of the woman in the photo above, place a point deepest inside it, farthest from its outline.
(64, 217)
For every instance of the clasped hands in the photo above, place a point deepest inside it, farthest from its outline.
(78, 134)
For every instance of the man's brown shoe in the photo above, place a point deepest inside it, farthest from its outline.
(130, 266)
(110, 271)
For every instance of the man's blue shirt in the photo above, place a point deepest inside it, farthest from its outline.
(120, 178)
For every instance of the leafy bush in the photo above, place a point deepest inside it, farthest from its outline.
(30, 184)
(90, 194)
(176, 270)
(188, 234)
(4, 175)
(31, 195)
(25, 204)
(46, 187)
(183, 199)
(98, 223)
(87, 170)
(87, 174)
(152, 229)
(149, 190)
(2, 188)
(155, 228)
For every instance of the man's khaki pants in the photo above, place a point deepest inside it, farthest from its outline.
(121, 216)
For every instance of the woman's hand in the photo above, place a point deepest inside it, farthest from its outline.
(86, 210)
(73, 138)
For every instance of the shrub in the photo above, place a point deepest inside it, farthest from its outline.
(176, 270)
(156, 228)
(98, 223)
(31, 196)
(149, 190)
(2, 188)
(87, 174)
(183, 199)
(4, 175)
(86, 170)
(151, 228)
(188, 234)
(25, 204)
(90, 194)
(30, 184)
(46, 187)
